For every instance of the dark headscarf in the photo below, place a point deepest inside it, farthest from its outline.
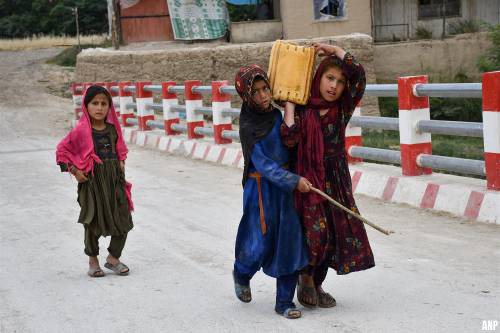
(310, 150)
(255, 123)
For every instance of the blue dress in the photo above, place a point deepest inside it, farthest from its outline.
(281, 250)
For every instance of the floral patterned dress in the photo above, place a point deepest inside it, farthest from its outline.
(333, 236)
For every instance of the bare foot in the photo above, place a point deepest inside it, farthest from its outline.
(325, 300)
(114, 262)
(307, 295)
(94, 268)
(93, 262)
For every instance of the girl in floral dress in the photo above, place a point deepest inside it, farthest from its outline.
(316, 134)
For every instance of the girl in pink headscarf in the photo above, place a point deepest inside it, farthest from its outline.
(94, 152)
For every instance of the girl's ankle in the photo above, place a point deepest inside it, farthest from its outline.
(112, 259)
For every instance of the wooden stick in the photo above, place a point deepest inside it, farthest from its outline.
(347, 210)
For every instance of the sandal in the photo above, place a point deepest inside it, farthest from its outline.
(291, 313)
(95, 272)
(325, 300)
(306, 291)
(244, 293)
(120, 268)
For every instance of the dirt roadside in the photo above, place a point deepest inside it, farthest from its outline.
(28, 106)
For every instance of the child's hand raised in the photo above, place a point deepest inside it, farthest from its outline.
(289, 114)
(323, 50)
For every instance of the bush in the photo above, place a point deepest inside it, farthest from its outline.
(455, 109)
(423, 33)
(491, 60)
(442, 145)
(463, 27)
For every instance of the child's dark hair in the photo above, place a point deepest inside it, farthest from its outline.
(331, 62)
(258, 78)
(93, 91)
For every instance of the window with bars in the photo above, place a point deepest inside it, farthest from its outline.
(429, 9)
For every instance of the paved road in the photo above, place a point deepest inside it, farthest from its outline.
(436, 274)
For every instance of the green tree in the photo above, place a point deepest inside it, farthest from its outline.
(22, 18)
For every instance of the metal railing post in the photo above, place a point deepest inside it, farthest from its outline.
(77, 91)
(353, 137)
(491, 128)
(114, 96)
(169, 99)
(86, 85)
(412, 109)
(193, 101)
(142, 98)
(220, 102)
(125, 98)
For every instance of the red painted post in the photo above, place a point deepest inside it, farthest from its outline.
(143, 98)
(353, 137)
(220, 102)
(77, 92)
(491, 128)
(86, 85)
(125, 98)
(412, 109)
(169, 99)
(193, 101)
(114, 96)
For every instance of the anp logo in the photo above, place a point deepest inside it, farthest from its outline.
(490, 325)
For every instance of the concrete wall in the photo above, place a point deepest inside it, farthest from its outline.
(440, 59)
(205, 64)
(256, 31)
(298, 20)
(405, 12)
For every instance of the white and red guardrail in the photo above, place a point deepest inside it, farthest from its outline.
(414, 123)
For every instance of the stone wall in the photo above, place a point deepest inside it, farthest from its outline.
(205, 64)
(442, 60)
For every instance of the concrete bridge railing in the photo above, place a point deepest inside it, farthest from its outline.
(413, 124)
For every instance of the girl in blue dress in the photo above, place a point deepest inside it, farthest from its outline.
(270, 234)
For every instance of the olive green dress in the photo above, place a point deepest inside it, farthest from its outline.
(104, 206)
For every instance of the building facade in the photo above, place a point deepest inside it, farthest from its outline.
(322, 18)
(395, 20)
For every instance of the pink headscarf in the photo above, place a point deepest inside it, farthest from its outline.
(77, 148)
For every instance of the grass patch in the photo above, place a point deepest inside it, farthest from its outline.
(68, 56)
(423, 33)
(442, 145)
(44, 42)
(490, 61)
(464, 27)
(452, 109)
